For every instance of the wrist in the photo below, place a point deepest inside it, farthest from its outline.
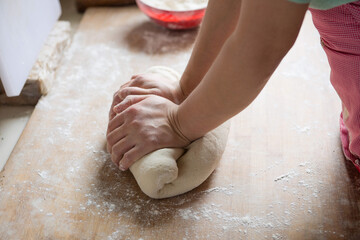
(185, 84)
(175, 124)
(179, 95)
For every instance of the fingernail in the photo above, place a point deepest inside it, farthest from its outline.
(122, 168)
(116, 109)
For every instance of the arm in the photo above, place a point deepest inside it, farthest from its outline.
(265, 33)
(219, 22)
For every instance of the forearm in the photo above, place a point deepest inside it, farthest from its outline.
(219, 22)
(242, 68)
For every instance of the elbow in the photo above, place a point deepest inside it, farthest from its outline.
(277, 50)
(271, 53)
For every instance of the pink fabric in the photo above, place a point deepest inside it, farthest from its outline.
(339, 29)
(344, 135)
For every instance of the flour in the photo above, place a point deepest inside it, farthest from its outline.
(181, 5)
(152, 39)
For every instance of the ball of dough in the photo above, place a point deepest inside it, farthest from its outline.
(172, 171)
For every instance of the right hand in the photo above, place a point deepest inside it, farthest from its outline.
(143, 124)
(146, 84)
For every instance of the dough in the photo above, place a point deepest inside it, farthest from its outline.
(172, 171)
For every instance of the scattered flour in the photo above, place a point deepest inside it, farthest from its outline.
(300, 129)
(225, 190)
(286, 176)
(43, 174)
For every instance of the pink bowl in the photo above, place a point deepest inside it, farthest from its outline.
(173, 19)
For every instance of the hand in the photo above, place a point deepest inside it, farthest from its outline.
(155, 84)
(112, 114)
(116, 101)
(143, 124)
(146, 84)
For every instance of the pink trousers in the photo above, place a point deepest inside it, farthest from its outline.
(339, 30)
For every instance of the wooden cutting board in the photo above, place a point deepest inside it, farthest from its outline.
(282, 176)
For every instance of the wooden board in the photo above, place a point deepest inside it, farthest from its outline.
(282, 176)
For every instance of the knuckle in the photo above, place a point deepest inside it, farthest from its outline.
(152, 140)
(115, 94)
(136, 124)
(138, 80)
(156, 91)
(132, 111)
(123, 92)
(111, 112)
(127, 158)
(108, 138)
(110, 126)
(117, 150)
(140, 77)
(128, 100)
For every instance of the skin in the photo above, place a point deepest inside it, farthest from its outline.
(239, 46)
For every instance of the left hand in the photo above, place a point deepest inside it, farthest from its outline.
(153, 84)
(143, 124)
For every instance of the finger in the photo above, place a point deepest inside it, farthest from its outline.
(130, 157)
(116, 122)
(124, 85)
(127, 102)
(123, 93)
(129, 83)
(142, 82)
(134, 76)
(119, 149)
(115, 136)
(137, 81)
(116, 101)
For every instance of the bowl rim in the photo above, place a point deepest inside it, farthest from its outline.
(170, 11)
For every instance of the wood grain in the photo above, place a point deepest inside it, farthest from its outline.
(282, 176)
